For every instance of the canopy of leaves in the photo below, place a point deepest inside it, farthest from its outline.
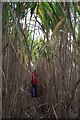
(48, 15)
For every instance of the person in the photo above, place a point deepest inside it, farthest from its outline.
(34, 81)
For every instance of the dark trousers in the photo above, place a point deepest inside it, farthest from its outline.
(34, 90)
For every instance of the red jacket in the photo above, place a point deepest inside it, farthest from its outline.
(34, 78)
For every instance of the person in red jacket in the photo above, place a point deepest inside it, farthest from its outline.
(34, 81)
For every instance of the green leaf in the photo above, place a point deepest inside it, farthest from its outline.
(18, 30)
(78, 9)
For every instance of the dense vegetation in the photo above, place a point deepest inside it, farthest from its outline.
(44, 35)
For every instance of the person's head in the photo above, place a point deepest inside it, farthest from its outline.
(34, 70)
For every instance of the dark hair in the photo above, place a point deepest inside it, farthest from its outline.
(35, 70)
